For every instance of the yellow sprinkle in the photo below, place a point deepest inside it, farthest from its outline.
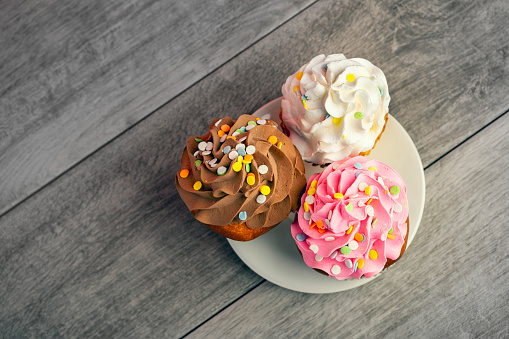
(373, 254)
(337, 121)
(390, 236)
(299, 75)
(295, 89)
(306, 207)
(237, 167)
(372, 168)
(279, 144)
(343, 136)
(240, 158)
(369, 201)
(368, 190)
(265, 190)
(312, 191)
(350, 229)
(360, 263)
(304, 103)
(197, 185)
(272, 139)
(338, 195)
(250, 180)
(350, 77)
(314, 183)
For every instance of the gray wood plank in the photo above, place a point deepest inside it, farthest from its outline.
(452, 281)
(109, 249)
(75, 74)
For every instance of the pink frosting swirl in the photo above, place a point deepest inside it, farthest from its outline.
(352, 219)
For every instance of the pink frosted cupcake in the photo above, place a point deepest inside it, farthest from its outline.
(353, 219)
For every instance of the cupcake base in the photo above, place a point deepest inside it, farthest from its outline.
(239, 232)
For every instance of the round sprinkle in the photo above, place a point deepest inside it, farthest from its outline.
(265, 190)
(318, 257)
(197, 185)
(336, 121)
(250, 127)
(335, 269)
(360, 263)
(348, 263)
(184, 173)
(250, 149)
(251, 123)
(202, 146)
(398, 208)
(237, 167)
(248, 168)
(310, 199)
(261, 199)
(333, 255)
(250, 179)
(227, 149)
(353, 245)
(221, 170)
(197, 163)
(223, 138)
(261, 122)
(312, 191)
(240, 158)
(329, 239)
(314, 248)
(314, 183)
(373, 254)
(233, 155)
(370, 211)
(349, 207)
(363, 186)
(345, 250)
(239, 146)
(358, 115)
(358, 237)
(209, 147)
(248, 158)
(243, 215)
(394, 189)
(338, 195)
(319, 223)
(357, 165)
(300, 236)
(238, 130)
(272, 139)
(307, 215)
(263, 169)
(241, 151)
(368, 190)
(225, 128)
(350, 77)
(220, 133)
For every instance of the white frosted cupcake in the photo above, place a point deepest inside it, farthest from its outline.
(334, 107)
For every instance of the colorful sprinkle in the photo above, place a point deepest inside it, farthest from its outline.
(336, 269)
(212, 163)
(237, 167)
(338, 195)
(265, 190)
(221, 170)
(227, 149)
(381, 92)
(307, 216)
(349, 230)
(361, 204)
(369, 201)
(314, 183)
(391, 230)
(250, 179)
(318, 257)
(398, 208)
(336, 121)
(209, 147)
(251, 123)
(350, 77)
(355, 267)
(360, 263)
(248, 168)
(329, 239)
(261, 122)
(319, 223)
(349, 207)
(235, 134)
(218, 122)
(250, 127)
(197, 185)
(231, 137)
(238, 130)
(198, 140)
(357, 165)
(220, 133)
(306, 207)
(390, 236)
(261, 199)
(374, 169)
(370, 211)
(206, 153)
(368, 190)
(299, 75)
(348, 263)
(310, 199)
(357, 174)
(272, 139)
(242, 139)
(363, 186)
(304, 103)
(184, 173)
(225, 128)
(358, 115)
(312, 191)
(374, 221)
(233, 155)
(300, 237)
(373, 254)
(353, 245)
(263, 169)
(197, 163)
(358, 237)
(314, 248)
(394, 189)
(243, 215)
(247, 159)
(202, 145)
(223, 138)
(250, 149)
(279, 145)
(345, 250)
(241, 151)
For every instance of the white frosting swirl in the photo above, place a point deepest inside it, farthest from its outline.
(335, 107)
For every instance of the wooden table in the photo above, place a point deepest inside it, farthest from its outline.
(97, 99)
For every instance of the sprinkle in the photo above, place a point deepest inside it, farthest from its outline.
(348, 263)
(373, 254)
(218, 122)
(250, 179)
(196, 153)
(349, 207)
(184, 173)
(310, 199)
(358, 115)
(307, 216)
(233, 155)
(314, 183)
(299, 75)
(306, 207)
(335, 166)
(391, 230)
(357, 174)
(334, 255)
(349, 230)
(239, 131)
(231, 137)
(398, 208)
(243, 215)
(236, 134)
(360, 263)
(319, 224)
(221, 170)
(369, 201)
(380, 181)
(295, 89)
(373, 169)
(237, 167)
(327, 222)
(261, 122)
(223, 138)
(304, 103)
(249, 149)
(353, 245)
(300, 237)
(248, 168)
(263, 169)
(329, 239)
(345, 250)
(324, 67)
(239, 146)
(227, 149)
(330, 215)
(318, 257)
(241, 151)
(357, 165)
(363, 238)
(265, 190)
(368, 190)
(312, 191)
(197, 185)
(336, 121)
(361, 204)
(250, 127)
(363, 186)
(251, 123)
(209, 147)
(197, 163)
(350, 77)
(336, 269)
(355, 267)
(240, 158)
(338, 195)
(202, 145)
(394, 189)
(314, 248)
(370, 211)
(198, 140)
(220, 133)
(279, 145)
(381, 92)
(272, 139)
(374, 221)
(261, 199)
(242, 139)
(358, 237)
(225, 128)
(390, 236)
(247, 159)
(205, 153)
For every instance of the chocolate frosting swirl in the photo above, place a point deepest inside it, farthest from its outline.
(233, 197)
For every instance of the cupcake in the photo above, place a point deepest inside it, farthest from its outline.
(353, 219)
(334, 107)
(242, 177)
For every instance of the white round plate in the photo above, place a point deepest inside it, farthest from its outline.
(274, 255)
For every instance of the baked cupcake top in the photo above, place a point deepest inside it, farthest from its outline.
(334, 107)
(241, 171)
(352, 219)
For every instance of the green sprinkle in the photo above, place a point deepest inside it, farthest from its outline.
(248, 168)
(345, 250)
(391, 230)
(251, 123)
(239, 130)
(349, 207)
(394, 189)
(197, 163)
(358, 115)
(381, 92)
(198, 140)
(373, 222)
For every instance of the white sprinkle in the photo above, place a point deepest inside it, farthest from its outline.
(221, 170)
(330, 239)
(353, 245)
(233, 155)
(354, 196)
(213, 161)
(333, 255)
(313, 247)
(330, 215)
(335, 269)
(212, 165)
(363, 186)
(398, 208)
(361, 204)
(209, 147)
(223, 138)
(380, 181)
(250, 127)
(242, 139)
(196, 153)
(250, 149)
(205, 153)
(202, 146)
(327, 222)
(318, 257)
(240, 146)
(261, 122)
(348, 263)
(335, 166)
(261, 199)
(263, 169)
(370, 211)
(218, 122)
(307, 215)
(234, 134)
(310, 199)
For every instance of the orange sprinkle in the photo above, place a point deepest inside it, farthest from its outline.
(321, 230)
(257, 118)
(184, 173)
(360, 263)
(369, 201)
(225, 128)
(230, 137)
(220, 133)
(358, 237)
(272, 139)
(373, 254)
(279, 144)
(319, 224)
(299, 75)
(312, 225)
(350, 229)
(248, 157)
(390, 236)
(295, 89)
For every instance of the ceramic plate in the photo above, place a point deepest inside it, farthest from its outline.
(274, 255)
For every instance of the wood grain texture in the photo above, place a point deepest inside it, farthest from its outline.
(452, 281)
(75, 74)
